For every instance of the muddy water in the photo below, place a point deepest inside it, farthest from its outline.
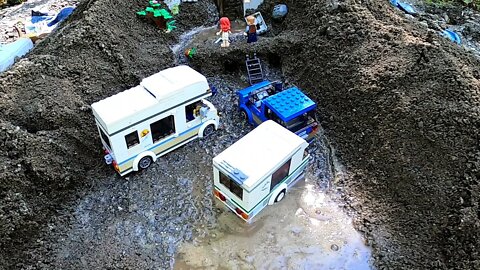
(306, 230)
(202, 35)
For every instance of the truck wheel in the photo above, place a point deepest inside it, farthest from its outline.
(145, 162)
(244, 115)
(280, 196)
(208, 130)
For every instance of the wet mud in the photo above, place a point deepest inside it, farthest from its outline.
(306, 230)
(398, 103)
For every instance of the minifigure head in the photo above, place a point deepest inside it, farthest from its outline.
(225, 24)
(250, 20)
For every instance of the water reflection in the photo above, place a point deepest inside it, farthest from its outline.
(306, 230)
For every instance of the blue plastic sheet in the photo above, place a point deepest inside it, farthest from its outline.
(62, 15)
(407, 8)
(10, 51)
(452, 36)
(41, 23)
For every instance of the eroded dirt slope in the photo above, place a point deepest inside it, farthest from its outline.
(48, 142)
(400, 104)
(402, 107)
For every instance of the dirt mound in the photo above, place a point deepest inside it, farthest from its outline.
(402, 107)
(400, 103)
(48, 139)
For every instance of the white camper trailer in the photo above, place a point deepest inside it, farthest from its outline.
(258, 169)
(167, 110)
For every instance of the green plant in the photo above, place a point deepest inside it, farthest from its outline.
(440, 3)
(472, 3)
(159, 16)
(14, 2)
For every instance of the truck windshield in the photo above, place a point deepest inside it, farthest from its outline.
(294, 124)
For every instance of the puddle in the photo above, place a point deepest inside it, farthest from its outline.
(306, 230)
(203, 35)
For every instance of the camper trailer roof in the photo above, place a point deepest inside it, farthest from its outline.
(255, 155)
(159, 92)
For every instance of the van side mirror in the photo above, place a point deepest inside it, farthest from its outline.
(214, 89)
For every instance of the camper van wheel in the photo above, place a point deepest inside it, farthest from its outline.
(145, 162)
(280, 196)
(208, 130)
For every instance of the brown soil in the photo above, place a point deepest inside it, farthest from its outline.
(400, 104)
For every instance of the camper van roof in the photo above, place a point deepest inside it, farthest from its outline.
(159, 92)
(259, 152)
(169, 81)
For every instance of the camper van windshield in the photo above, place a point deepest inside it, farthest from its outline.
(231, 185)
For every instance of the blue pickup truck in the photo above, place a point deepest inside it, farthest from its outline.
(289, 107)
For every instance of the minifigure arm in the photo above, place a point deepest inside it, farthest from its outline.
(218, 33)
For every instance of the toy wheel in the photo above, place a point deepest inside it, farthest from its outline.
(280, 196)
(208, 130)
(145, 162)
(244, 115)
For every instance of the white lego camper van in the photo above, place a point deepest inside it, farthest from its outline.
(258, 169)
(164, 112)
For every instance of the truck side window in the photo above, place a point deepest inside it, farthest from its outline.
(132, 139)
(231, 185)
(280, 174)
(162, 128)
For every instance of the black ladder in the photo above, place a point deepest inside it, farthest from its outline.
(254, 69)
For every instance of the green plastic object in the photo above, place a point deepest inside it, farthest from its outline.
(165, 14)
(170, 25)
(149, 9)
(142, 13)
(191, 52)
(162, 13)
(175, 9)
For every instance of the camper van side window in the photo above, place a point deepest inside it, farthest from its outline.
(105, 137)
(280, 174)
(192, 111)
(231, 185)
(132, 139)
(162, 128)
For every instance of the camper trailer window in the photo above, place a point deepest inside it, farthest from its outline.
(132, 139)
(162, 128)
(231, 185)
(105, 138)
(280, 174)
